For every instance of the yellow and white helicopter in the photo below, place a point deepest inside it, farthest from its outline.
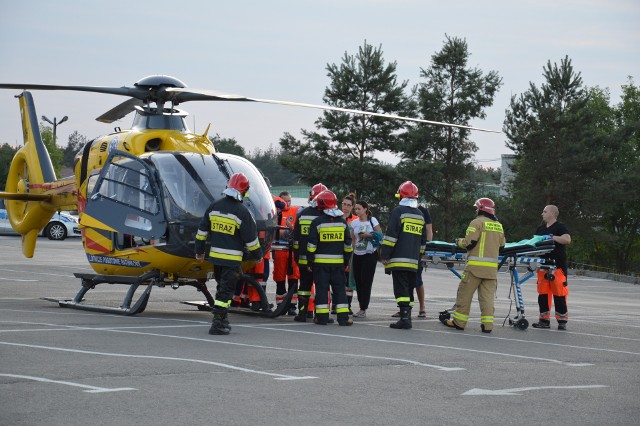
(140, 193)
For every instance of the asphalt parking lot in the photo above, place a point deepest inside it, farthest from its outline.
(61, 366)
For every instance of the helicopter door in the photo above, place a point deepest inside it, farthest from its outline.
(126, 199)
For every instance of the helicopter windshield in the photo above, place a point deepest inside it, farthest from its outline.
(161, 197)
(191, 182)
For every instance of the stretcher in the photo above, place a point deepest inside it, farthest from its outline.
(525, 254)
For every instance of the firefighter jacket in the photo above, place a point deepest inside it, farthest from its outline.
(230, 228)
(483, 240)
(301, 233)
(329, 242)
(405, 239)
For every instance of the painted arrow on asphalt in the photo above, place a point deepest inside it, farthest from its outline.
(516, 391)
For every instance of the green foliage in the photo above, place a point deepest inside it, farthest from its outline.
(341, 153)
(268, 163)
(440, 158)
(227, 145)
(55, 153)
(576, 151)
(75, 144)
(6, 155)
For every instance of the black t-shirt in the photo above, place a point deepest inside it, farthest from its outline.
(425, 213)
(559, 253)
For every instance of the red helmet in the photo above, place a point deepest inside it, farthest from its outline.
(407, 189)
(485, 205)
(315, 190)
(239, 182)
(327, 200)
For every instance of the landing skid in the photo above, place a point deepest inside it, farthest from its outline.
(89, 281)
(266, 308)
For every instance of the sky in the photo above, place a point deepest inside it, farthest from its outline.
(280, 49)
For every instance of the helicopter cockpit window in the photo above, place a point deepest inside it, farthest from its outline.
(260, 201)
(192, 182)
(188, 188)
(126, 182)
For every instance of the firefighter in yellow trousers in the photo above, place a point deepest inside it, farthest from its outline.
(483, 240)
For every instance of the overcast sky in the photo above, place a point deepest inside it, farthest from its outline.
(280, 49)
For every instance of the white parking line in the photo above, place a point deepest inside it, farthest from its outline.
(400, 342)
(128, 330)
(18, 280)
(199, 361)
(90, 389)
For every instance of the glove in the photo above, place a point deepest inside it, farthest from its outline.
(279, 204)
(548, 237)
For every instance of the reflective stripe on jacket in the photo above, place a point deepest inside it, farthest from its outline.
(483, 239)
(231, 229)
(405, 239)
(329, 242)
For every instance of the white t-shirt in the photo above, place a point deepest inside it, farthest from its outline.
(363, 246)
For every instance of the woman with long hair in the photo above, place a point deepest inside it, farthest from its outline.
(365, 256)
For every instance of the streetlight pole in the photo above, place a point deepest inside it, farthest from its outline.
(55, 124)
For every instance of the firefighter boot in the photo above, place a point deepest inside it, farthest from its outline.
(405, 319)
(343, 319)
(321, 319)
(303, 305)
(220, 323)
(451, 324)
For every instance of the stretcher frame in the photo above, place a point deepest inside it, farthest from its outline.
(517, 259)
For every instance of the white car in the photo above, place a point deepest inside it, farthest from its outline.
(61, 225)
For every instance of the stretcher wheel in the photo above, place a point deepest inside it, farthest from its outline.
(444, 315)
(522, 324)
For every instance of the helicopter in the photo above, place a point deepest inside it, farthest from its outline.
(140, 193)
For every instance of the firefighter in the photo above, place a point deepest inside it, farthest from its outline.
(285, 268)
(402, 247)
(328, 252)
(231, 229)
(483, 239)
(300, 237)
(552, 285)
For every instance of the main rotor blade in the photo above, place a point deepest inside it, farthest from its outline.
(134, 92)
(208, 95)
(119, 111)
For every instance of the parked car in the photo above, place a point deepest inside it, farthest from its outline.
(61, 225)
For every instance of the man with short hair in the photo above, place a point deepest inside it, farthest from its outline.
(553, 287)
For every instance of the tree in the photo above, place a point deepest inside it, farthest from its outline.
(227, 145)
(553, 130)
(75, 144)
(55, 153)
(268, 161)
(440, 158)
(616, 192)
(576, 151)
(341, 153)
(6, 155)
